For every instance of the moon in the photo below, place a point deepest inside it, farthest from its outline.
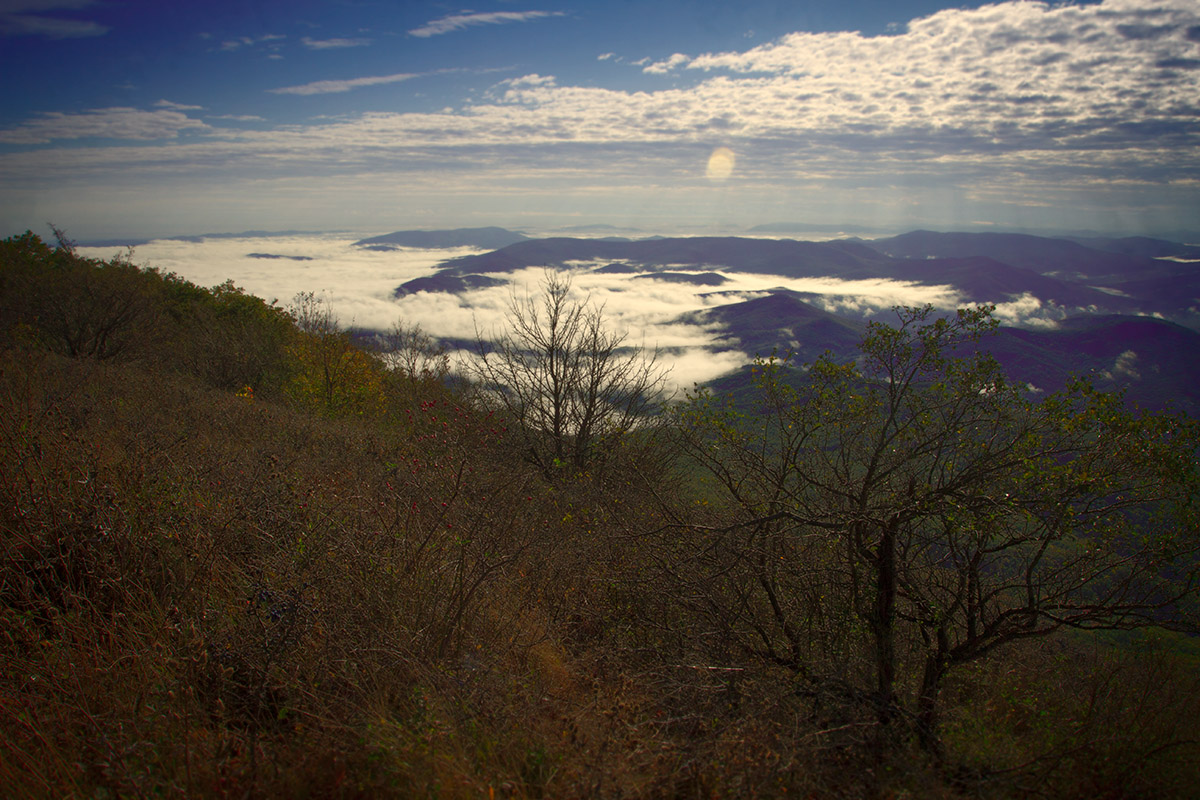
(720, 164)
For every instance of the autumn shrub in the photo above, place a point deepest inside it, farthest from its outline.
(53, 298)
(260, 577)
(76, 306)
(1081, 716)
(229, 339)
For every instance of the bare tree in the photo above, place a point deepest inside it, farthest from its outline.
(892, 519)
(573, 385)
(411, 352)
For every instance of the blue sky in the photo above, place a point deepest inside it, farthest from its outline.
(147, 118)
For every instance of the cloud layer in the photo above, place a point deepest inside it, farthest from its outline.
(105, 123)
(358, 285)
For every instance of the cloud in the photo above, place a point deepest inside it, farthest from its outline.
(1125, 366)
(457, 22)
(605, 56)
(663, 67)
(981, 113)
(330, 44)
(16, 19)
(238, 117)
(270, 39)
(1027, 311)
(334, 86)
(176, 106)
(102, 123)
(358, 284)
(530, 80)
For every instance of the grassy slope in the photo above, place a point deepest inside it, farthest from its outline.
(204, 593)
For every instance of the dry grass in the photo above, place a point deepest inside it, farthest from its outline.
(207, 595)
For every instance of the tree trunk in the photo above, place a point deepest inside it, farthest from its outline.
(927, 698)
(882, 626)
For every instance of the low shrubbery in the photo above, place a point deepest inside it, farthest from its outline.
(222, 575)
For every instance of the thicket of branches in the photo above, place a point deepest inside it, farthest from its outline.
(574, 386)
(889, 520)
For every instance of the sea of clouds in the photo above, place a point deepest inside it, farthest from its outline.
(359, 285)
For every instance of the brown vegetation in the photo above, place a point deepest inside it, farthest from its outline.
(222, 576)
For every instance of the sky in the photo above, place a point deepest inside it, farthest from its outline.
(145, 118)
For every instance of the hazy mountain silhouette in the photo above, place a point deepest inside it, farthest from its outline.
(694, 278)
(1140, 246)
(981, 279)
(1059, 257)
(276, 256)
(1153, 361)
(453, 284)
(1099, 285)
(982, 268)
(482, 238)
(781, 323)
(767, 256)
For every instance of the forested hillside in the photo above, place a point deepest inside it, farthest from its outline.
(243, 554)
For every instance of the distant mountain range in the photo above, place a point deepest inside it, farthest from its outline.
(481, 238)
(1116, 276)
(276, 257)
(197, 238)
(1156, 362)
(1130, 307)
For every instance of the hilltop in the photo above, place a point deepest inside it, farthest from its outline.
(246, 553)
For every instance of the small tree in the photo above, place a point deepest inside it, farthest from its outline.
(573, 385)
(329, 371)
(228, 337)
(891, 519)
(81, 307)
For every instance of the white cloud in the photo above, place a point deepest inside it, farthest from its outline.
(238, 117)
(359, 283)
(605, 56)
(330, 44)
(334, 86)
(1028, 311)
(270, 39)
(663, 67)
(530, 80)
(102, 123)
(1126, 366)
(457, 22)
(176, 106)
